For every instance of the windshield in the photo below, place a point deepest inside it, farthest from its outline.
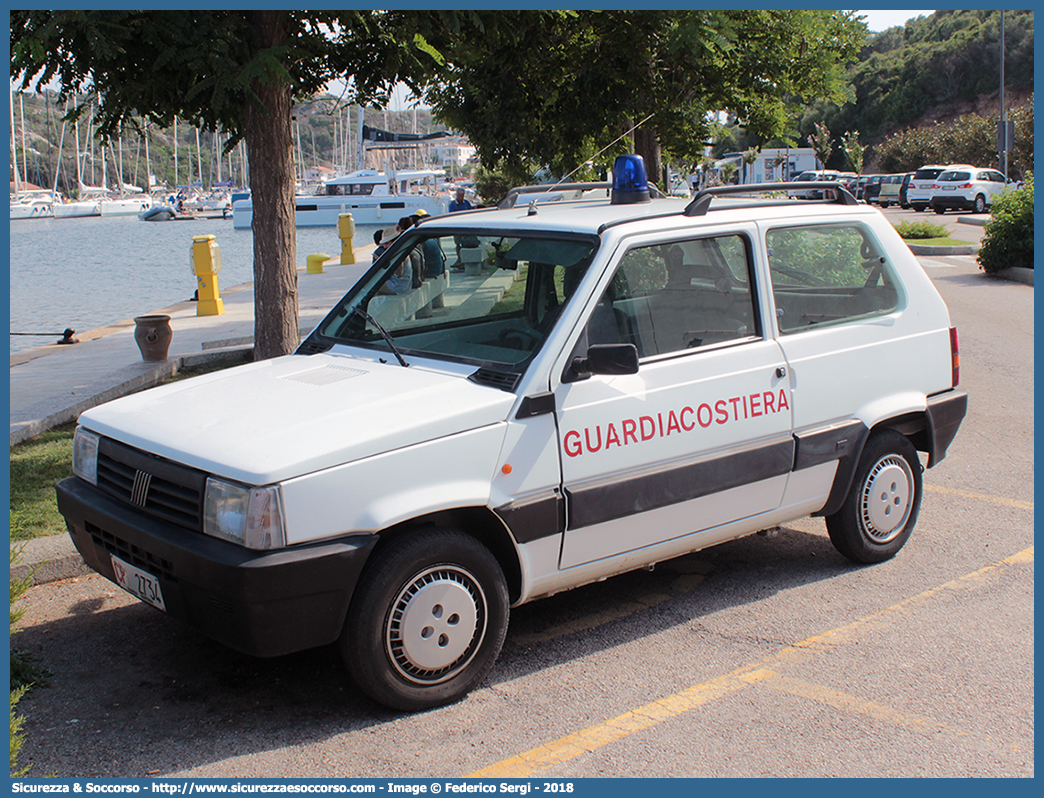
(486, 299)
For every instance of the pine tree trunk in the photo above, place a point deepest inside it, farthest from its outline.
(269, 141)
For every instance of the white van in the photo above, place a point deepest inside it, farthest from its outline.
(608, 382)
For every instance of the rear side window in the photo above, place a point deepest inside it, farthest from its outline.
(827, 275)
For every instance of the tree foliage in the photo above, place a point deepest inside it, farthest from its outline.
(931, 64)
(558, 89)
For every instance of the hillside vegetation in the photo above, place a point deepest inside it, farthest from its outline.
(935, 70)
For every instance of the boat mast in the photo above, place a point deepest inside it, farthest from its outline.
(199, 161)
(14, 147)
(25, 149)
(176, 175)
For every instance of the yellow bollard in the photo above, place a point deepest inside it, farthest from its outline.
(206, 263)
(346, 230)
(315, 262)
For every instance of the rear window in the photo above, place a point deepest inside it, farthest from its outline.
(927, 174)
(955, 176)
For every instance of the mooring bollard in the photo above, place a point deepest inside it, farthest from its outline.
(315, 262)
(205, 257)
(346, 231)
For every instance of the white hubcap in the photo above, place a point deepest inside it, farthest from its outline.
(436, 624)
(887, 497)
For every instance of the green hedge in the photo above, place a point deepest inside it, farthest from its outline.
(1008, 240)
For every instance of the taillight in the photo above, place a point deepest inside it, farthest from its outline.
(955, 358)
(966, 185)
(936, 185)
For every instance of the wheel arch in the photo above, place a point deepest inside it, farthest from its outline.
(915, 426)
(478, 522)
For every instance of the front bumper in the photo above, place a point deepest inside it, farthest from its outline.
(264, 603)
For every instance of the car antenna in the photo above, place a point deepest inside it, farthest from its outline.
(532, 205)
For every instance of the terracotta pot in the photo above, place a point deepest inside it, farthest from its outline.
(153, 334)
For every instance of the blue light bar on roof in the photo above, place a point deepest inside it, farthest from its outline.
(630, 183)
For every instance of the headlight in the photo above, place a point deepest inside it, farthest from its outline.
(85, 455)
(251, 517)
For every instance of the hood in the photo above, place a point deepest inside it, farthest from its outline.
(271, 421)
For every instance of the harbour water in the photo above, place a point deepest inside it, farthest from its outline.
(88, 273)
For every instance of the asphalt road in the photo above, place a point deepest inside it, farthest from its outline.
(768, 656)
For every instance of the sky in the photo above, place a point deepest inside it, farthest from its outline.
(878, 20)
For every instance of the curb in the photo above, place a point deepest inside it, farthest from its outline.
(916, 249)
(1016, 274)
(48, 559)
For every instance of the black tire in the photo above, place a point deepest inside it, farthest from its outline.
(980, 204)
(919, 208)
(940, 210)
(881, 508)
(427, 620)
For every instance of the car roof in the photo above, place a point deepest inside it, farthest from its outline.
(591, 216)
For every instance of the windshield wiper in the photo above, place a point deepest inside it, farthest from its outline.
(384, 334)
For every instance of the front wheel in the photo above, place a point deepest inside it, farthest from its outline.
(427, 621)
(881, 508)
(940, 210)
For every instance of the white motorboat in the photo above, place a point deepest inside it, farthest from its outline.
(129, 203)
(372, 197)
(32, 205)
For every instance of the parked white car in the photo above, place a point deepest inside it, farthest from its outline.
(967, 188)
(920, 189)
(608, 382)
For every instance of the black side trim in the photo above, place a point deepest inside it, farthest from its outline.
(840, 441)
(538, 404)
(534, 517)
(946, 411)
(843, 442)
(637, 491)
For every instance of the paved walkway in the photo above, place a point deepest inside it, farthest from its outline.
(53, 384)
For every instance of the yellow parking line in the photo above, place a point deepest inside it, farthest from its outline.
(855, 705)
(967, 494)
(644, 717)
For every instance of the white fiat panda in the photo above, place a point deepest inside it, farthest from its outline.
(579, 382)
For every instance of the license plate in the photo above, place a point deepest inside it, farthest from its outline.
(138, 582)
(949, 188)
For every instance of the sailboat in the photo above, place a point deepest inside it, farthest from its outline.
(90, 202)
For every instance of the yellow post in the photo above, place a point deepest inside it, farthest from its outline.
(346, 230)
(315, 262)
(206, 263)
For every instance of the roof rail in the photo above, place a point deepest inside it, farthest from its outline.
(512, 196)
(701, 202)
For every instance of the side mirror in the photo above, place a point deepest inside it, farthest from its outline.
(606, 359)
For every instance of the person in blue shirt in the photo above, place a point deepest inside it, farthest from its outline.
(459, 204)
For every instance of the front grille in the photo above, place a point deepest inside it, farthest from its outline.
(129, 553)
(163, 489)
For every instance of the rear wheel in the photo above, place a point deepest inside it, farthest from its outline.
(980, 203)
(881, 508)
(427, 621)
(940, 210)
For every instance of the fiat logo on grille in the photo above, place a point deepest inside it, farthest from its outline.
(140, 491)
